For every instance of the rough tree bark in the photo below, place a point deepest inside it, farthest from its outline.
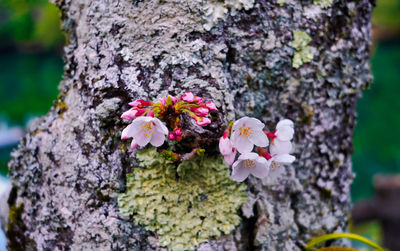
(68, 169)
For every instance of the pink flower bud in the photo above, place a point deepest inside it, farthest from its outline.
(163, 100)
(198, 100)
(133, 145)
(174, 99)
(203, 121)
(130, 114)
(171, 136)
(178, 131)
(178, 138)
(210, 105)
(188, 97)
(225, 146)
(201, 111)
(270, 135)
(140, 103)
(230, 158)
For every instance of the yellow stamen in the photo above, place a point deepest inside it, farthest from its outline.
(246, 132)
(147, 129)
(248, 163)
(274, 166)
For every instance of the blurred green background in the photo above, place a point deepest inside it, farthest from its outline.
(31, 67)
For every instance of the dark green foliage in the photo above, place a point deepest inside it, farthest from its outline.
(377, 134)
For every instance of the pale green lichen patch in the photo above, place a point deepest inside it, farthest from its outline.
(281, 2)
(323, 3)
(303, 52)
(185, 205)
(216, 10)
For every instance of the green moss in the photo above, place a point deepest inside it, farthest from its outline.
(14, 214)
(323, 3)
(303, 53)
(281, 2)
(185, 205)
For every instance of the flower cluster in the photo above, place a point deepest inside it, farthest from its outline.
(247, 132)
(147, 118)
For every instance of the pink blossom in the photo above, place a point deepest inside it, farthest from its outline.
(146, 130)
(198, 100)
(163, 100)
(211, 106)
(201, 111)
(249, 163)
(188, 97)
(226, 149)
(171, 136)
(178, 131)
(248, 132)
(140, 103)
(203, 121)
(132, 113)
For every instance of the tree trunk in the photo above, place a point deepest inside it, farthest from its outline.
(302, 60)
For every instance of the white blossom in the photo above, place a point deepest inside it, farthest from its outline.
(145, 130)
(249, 163)
(248, 132)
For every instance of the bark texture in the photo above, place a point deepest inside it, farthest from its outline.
(69, 168)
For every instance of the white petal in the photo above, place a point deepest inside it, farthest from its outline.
(280, 147)
(276, 169)
(238, 123)
(225, 146)
(160, 126)
(284, 133)
(254, 123)
(234, 138)
(137, 124)
(239, 173)
(128, 132)
(284, 122)
(143, 139)
(157, 139)
(243, 145)
(262, 168)
(285, 158)
(259, 139)
(248, 155)
(230, 158)
(133, 144)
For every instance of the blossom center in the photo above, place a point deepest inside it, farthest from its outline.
(246, 132)
(274, 166)
(147, 129)
(248, 163)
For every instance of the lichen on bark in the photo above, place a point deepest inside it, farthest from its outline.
(71, 165)
(185, 204)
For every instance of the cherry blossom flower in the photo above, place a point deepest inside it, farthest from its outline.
(280, 156)
(198, 100)
(211, 106)
(201, 111)
(247, 133)
(188, 97)
(226, 149)
(284, 131)
(146, 130)
(249, 163)
(276, 161)
(163, 100)
(201, 121)
(140, 103)
(132, 113)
